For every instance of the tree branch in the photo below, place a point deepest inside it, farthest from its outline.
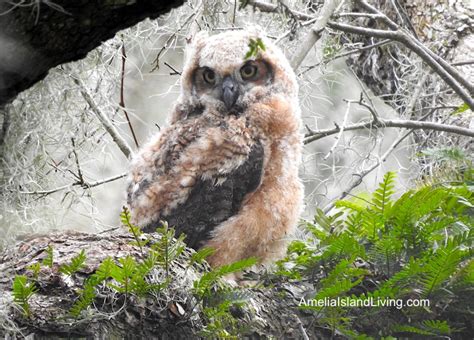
(357, 178)
(447, 72)
(315, 33)
(341, 130)
(266, 7)
(106, 123)
(315, 135)
(348, 53)
(62, 31)
(416, 47)
(78, 183)
(413, 40)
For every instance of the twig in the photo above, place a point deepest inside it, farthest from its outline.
(106, 123)
(416, 94)
(122, 101)
(156, 61)
(194, 27)
(360, 176)
(341, 130)
(358, 15)
(345, 54)
(79, 172)
(78, 183)
(371, 107)
(315, 33)
(266, 7)
(175, 71)
(461, 63)
(234, 12)
(390, 123)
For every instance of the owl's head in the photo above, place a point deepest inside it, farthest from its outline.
(217, 74)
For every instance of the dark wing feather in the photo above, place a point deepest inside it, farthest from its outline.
(208, 204)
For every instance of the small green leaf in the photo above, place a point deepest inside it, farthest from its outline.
(255, 45)
(462, 108)
(35, 268)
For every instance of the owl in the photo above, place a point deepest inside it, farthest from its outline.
(225, 170)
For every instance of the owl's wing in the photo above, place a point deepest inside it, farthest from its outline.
(209, 204)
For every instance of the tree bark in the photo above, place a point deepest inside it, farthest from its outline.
(38, 35)
(271, 310)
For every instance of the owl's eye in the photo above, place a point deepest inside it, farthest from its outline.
(248, 71)
(209, 76)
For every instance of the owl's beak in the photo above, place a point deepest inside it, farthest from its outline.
(230, 92)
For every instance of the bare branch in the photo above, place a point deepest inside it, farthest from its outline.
(85, 185)
(122, 100)
(447, 72)
(462, 63)
(156, 62)
(266, 7)
(106, 123)
(357, 178)
(345, 54)
(174, 71)
(341, 130)
(389, 123)
(415, 46)
(413, 40)
(79, 172)
(315, 34)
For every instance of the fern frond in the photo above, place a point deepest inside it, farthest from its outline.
(386, 252)
(48, 260)
(137, 233)
(438, 268)
(203, 286)
(77, 262)
(381, 198)
(405, 277)
(86, 297)
(22, 291)
(328, 223)
(337, 289)
(343, 245)
(201, 255)
(427, 327)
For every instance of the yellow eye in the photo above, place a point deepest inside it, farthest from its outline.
(209, 76)
(248, 71)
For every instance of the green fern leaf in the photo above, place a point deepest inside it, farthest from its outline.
(427, 327)
(22, 291)
(48, 260)
(201, 255)
(77, 263)
(381, 198)
(203, 286)
(86, 298)
(439, 267)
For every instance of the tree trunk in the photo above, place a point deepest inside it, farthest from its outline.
(38, 35)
